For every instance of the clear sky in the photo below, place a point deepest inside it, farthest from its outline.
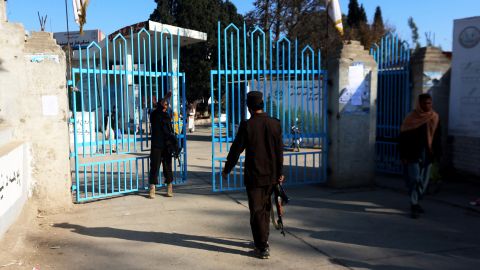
(434, 16)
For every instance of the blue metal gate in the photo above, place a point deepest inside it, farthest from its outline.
(116, 84)
(393, 99)
(295, 92)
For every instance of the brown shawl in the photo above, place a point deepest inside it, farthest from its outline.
(418, 118)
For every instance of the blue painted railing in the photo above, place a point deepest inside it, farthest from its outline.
(116, 83)
(393, 99)
(293, 88)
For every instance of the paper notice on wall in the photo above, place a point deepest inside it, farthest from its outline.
(50, 105)
(355, 97)
(355, 75)
(355, 79)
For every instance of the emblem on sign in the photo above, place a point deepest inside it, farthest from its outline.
(469, 37)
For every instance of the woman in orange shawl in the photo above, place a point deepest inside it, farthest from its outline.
(419, 146)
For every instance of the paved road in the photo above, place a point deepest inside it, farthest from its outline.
(363, 228)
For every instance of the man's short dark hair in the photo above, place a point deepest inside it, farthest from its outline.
(424, 97)
(255, 100)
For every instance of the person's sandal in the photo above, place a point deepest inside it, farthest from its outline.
(170, 190)
(151, 194)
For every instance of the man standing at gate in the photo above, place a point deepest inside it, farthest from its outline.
(160, 153)
(261, 136)
(419, 146)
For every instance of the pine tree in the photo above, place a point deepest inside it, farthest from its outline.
(378, 25)
(353, 17)
(362, 18)
(202, 15)
(415, 35)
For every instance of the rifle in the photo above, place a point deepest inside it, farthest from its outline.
(281, 199)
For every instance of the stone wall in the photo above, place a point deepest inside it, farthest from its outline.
(352, 117)
(34, 114)
(46, 120)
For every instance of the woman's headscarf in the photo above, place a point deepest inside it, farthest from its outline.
(418, 118)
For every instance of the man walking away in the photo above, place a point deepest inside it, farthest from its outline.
(261, 136)
(162, 132)
(419, 146)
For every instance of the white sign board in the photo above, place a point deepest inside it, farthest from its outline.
(86, 133)
(464, 118)
(77, 39)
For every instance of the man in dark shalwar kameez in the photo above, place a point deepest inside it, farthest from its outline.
(261, 137)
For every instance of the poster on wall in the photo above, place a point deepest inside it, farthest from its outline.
(355, 98)
(464, 117)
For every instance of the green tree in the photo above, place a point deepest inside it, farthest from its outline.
(378, 29)
(262, 14)
(415, 35)
(269, 15)
(353, 17)
(164, 12)
(203, 15)
(378, 24)
(362, 18)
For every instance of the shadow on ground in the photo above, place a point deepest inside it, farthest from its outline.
(366, 265)
(225, 245)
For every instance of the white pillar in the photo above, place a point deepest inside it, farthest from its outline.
(132, 94)
(175, 80)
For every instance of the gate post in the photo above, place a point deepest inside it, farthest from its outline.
(352, 117)
(431, 74)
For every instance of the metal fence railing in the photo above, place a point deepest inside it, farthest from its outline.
(393, 99)
(295, 92)
(116, 84)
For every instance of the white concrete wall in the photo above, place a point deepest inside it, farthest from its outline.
(464, 112)
(15, 181)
